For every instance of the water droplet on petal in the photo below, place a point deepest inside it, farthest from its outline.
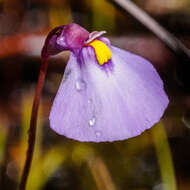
(92, 122)
(98, 133)
(66, 75)
(80, 85)
(89, 101)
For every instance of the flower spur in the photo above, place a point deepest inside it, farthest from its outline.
(107, 93)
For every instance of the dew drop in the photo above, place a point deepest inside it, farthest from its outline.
(92, 122)
(80, 85)
(66, 75)
(89, 101)
(98, 133)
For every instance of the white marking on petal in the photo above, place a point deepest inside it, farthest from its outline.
(94, 35)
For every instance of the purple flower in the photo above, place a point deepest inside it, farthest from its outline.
(107, 93)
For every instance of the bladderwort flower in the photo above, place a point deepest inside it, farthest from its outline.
(106, 93)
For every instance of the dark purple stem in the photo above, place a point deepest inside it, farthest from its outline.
(33, 121)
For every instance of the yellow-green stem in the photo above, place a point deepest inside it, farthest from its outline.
(164, 157)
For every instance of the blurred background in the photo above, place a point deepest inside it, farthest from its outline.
(159, 159)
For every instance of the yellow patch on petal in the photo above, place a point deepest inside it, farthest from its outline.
(102, 51)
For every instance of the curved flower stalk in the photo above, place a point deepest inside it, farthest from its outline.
(107, 93)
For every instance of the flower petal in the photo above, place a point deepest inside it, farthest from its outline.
(94, 105)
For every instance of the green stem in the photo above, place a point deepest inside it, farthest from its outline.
(164, 157)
